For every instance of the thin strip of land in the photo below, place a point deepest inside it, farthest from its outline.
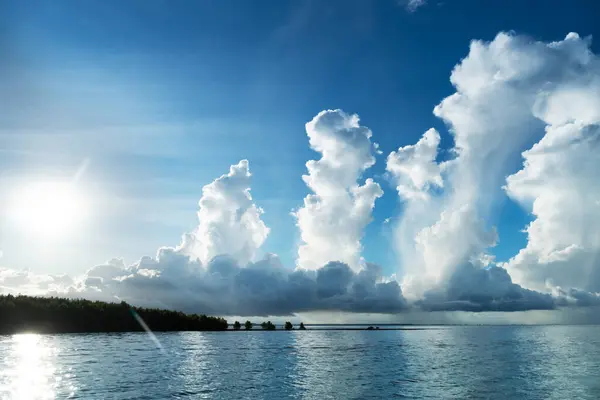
(58, 315)
(20, 314)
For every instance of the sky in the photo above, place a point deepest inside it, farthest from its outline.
(346, 156)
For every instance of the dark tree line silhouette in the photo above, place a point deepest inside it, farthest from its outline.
(58, 315)
(267, 326)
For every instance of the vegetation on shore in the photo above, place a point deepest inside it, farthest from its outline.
(59, 315)
(268, 326)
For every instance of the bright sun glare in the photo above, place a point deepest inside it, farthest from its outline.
(51, 209)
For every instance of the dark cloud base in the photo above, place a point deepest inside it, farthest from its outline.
(265, 288)
(174, 281)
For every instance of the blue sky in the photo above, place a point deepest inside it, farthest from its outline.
(162, 97)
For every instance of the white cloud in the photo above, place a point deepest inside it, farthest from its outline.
(503, 89)
(413, 5)
(229, 222)
(333, 218)
(559, 180)
(414, 167)
(14, 282)
(487, 117)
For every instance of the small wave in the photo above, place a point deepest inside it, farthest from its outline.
(402, 380)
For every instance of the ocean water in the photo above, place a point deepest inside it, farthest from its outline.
(503, 362)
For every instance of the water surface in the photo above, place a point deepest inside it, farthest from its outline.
(504, 362)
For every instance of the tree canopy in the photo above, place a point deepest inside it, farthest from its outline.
(268, 326)
(59, 315)
(288, 326)
(248, 325)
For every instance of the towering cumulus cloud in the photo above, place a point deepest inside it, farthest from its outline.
(559, 181)
(506, 91)
(229, 222)
(333, 218)
(414, 167)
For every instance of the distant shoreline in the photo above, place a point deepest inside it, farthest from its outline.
(325, 329)
(52, 315)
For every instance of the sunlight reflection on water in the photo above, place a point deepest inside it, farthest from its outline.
(28, 371)
(503, 362)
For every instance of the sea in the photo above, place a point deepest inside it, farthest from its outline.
(442, 362)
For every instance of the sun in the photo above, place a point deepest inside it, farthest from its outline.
(49, 209)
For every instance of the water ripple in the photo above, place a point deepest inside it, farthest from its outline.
(456, 362)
